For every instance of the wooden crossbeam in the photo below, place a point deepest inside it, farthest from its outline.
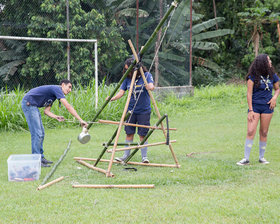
(131, 163)
(134, 125)
(141, 146)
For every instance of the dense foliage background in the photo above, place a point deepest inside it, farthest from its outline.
(226, 37)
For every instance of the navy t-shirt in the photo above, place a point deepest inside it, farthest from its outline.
(44, 96)
(262, 95)
(143, 105)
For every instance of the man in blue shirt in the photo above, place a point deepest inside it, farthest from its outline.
(139, 105)
(44, 96)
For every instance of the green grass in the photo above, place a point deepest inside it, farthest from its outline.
(208, 188)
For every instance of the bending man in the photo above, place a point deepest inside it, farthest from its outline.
(44, 96)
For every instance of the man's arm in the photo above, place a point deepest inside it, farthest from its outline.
(117, 96)
(48, 112)
(73, 111)
(150, 86)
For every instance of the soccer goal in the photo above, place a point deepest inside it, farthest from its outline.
(68, 53)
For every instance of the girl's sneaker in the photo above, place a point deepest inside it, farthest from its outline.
(263, 161)
(243, 162)
(145, 160)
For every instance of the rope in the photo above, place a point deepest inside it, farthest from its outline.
(168, 24)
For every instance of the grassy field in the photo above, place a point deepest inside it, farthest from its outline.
(208, 188)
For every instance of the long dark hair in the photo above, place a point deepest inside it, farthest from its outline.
(128, 62)
(260, 67)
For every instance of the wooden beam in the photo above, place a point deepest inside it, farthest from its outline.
(114, 186)
(95, 168)
(134, 125)
(131, 163)
(50, 183)
(141, 146)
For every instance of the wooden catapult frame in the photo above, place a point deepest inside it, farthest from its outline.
(125, 115)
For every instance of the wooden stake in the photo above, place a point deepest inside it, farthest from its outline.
(50, 183)
(131, 163)
(134, 125)
(141, 146)
(94, 168)
(114, 186)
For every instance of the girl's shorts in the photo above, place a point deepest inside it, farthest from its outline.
(262, 109)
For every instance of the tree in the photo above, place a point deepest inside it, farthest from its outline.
(174, 51)
(256, 17)
(45, 58)
(48, 19)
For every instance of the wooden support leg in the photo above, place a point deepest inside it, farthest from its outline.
(121, 122)
(153, 100)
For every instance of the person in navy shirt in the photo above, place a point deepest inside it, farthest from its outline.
(261, 80)
(44, 96)
(139, 105)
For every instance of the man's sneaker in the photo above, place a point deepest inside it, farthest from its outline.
(44, 160)
(263, 161)
(243, 162)
(121, 159)
(145, 160)
(45, 165)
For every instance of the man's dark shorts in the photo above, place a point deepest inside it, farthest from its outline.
(262, 108)
(143, 119)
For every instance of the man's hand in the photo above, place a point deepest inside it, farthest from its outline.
(60, 118)
(83, 123)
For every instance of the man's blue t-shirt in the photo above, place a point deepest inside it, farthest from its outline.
(263, 93)
(143, 105)
(44, 96)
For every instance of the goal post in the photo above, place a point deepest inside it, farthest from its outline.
(68, 63)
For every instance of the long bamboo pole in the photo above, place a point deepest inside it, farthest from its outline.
(57, 164)
(94, 168)
(143, 50)
(134, 125)
(122, 121)
(153, 101)
(50, 183)
(130, 163)
(141, 146)
(114, 186)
